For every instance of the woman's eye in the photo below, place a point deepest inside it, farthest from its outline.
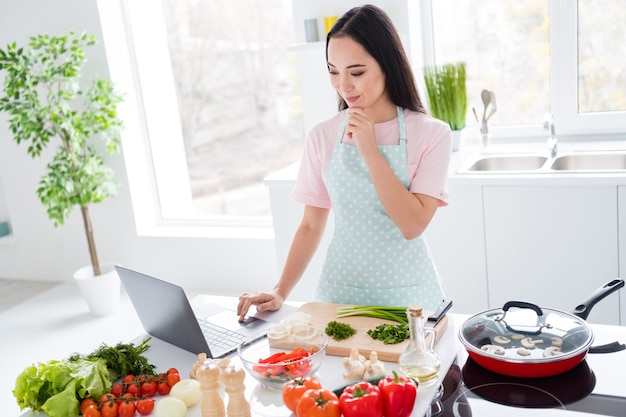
(357, 74)
(332, 72)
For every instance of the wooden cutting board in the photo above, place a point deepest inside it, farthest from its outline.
(323, 313)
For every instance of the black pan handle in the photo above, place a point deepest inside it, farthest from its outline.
(582, 310)
(523, 304)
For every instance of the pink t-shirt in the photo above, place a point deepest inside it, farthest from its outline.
(429, 144)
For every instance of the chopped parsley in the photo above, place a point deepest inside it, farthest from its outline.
(339, 331)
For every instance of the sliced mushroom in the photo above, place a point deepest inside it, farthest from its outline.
(523, 352)
(557, 341)
(503, 340)
(529, 343)
(551, 351)
(497, 350)
(517, 336)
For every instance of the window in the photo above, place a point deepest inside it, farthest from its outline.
(563, 57)
(213, 99)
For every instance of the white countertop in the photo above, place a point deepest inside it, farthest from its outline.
(56, 323)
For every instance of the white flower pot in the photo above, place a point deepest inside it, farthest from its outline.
(456, 140)
(102, 293)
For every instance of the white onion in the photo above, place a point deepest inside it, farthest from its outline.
(278, 332)
(170, 407)
(296, 319)
(304, 332)
(187, 390)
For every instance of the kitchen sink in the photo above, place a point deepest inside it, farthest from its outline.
(591, 162)
(506, 163)
(542, 163)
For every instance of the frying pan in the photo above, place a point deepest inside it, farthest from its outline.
(524, 340)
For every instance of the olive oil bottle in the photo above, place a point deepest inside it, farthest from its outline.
(419, 361)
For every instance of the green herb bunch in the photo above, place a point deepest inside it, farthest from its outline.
(447, 93)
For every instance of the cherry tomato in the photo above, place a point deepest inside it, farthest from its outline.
(126, 409)
(145, 406)
(173, 378)
(117, 389)
(164, 388)
(86, 403)
(293, 390)
(106, 398)
(128, 378)
(91, 411)
(149, 388)
(133, 389)
(173, 370)
(109, 409)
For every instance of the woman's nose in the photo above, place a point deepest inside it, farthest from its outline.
(345, 84)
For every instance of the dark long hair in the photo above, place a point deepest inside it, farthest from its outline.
(371, 27)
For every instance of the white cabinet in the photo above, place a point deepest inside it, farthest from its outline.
(456, 240)
(621, 204)
(552, 246)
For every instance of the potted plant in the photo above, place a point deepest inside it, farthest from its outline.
(44, 100)
(447, 96)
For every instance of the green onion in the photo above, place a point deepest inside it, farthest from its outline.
(397, 314)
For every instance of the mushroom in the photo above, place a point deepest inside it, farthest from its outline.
(557, 341)
(494, 349)
(517, 336)
(551, 351)
(374, 367)
(523, 352)
(354, 366)
(503, 340)
(529, 343)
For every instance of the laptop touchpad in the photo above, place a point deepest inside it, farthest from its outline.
(230, 320)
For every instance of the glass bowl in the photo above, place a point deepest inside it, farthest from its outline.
(274, 374)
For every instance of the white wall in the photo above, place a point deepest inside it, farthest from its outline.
(38, 251)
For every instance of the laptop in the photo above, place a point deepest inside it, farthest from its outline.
(165, 313)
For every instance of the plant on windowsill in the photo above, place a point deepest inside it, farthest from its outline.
(44, 100)
(447, 96)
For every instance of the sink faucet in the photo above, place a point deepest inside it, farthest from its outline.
(548, 125)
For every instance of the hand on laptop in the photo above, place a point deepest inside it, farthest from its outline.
(264, 301)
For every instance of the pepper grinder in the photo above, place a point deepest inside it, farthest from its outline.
(418, 360)
(212, 403)
(233, 379)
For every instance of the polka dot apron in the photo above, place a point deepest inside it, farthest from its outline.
(368, 261)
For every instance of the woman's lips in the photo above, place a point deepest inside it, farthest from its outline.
(352, 99)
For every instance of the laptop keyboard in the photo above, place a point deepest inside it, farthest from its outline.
(220, 338)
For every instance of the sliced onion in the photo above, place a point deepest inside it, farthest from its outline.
(296, 319)
(278, 332)
(304, 332)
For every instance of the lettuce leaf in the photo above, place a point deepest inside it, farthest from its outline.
(57, 387)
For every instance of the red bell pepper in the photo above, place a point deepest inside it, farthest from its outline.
(361, 400)
(398, 395)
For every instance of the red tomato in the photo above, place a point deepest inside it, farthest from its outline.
(129, 378)
(164, 388)
(133, 389)
(126, 409)
(145, 406)
(86, 403)
(117, 389)
(149, 388)
(173, 370)
(173, 378)
(318, 403)
(91, 411)
(293, 390)
(109, 409)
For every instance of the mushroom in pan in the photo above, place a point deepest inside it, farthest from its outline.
(551, 351)
(557, 341)
(497, 350)
(529, 343)
(503, 340)
(523, 352)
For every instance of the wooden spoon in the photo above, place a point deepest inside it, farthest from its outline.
(486, 96)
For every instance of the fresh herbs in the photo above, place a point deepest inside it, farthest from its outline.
(397, 314)
(390, 334)
(339, 331)
(122, 359)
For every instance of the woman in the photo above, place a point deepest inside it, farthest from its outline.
(381, 163)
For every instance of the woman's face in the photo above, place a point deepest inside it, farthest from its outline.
(355, 74)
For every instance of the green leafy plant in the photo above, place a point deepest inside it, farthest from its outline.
(44, 100)
(447, 93)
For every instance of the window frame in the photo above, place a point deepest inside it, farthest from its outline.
(139, 64)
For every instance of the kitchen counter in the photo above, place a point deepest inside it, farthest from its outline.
(56, 323)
